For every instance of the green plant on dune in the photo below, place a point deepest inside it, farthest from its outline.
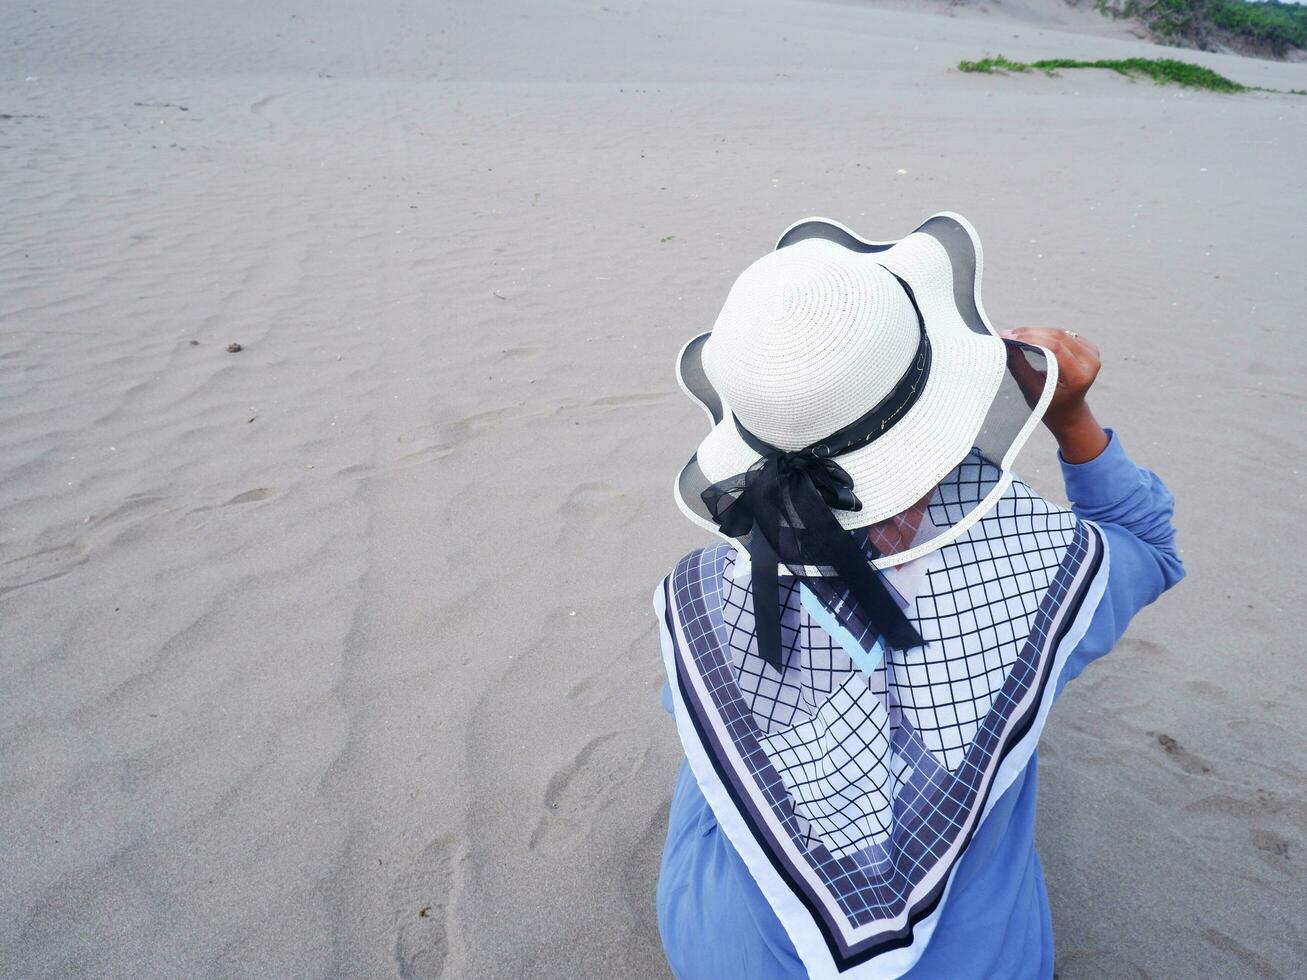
(997, 63)
(1164, 71)
(1268, 25)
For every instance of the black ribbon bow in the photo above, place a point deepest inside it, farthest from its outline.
(783, 503)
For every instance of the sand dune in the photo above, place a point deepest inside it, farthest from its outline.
(334, 657)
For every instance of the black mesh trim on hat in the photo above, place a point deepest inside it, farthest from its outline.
(831, 233)
(961, 251)
(696, 380)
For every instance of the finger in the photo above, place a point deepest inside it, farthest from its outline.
(1048, 337)
(1077, 357)
(1068, 347)
(1043, 332)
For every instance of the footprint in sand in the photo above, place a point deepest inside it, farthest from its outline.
(571, 408)
(576, 791)
(592, 503)
(250, 496)
(1269, 842)
(450, 436)
(259, 107)
(435, 451)
(595, 690)
(1254, 965)
(421, 904)
(586, 694)
(1206, 689)
(132, 503)
(1183, 757)
(623, 401)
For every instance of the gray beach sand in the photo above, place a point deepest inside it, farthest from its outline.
(334, 657)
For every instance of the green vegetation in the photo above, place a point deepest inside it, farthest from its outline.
(1266, 25)
(991, 65)
(1162, 70)
(1278, 26)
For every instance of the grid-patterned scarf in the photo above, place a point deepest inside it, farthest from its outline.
(851, 780)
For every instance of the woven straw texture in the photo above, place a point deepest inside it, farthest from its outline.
(814, 334)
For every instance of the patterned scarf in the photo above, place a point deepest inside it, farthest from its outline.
(852, 780)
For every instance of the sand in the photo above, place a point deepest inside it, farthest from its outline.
(334, 657)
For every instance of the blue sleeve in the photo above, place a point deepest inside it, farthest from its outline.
(1132, 507)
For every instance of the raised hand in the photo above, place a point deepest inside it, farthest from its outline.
(1068, 417)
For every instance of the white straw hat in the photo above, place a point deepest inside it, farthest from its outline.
(816, 333)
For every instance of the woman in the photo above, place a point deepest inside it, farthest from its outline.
(859, 675)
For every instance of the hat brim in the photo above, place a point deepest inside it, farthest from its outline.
(942, 261)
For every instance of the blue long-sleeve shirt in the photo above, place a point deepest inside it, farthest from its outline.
(714, 921)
